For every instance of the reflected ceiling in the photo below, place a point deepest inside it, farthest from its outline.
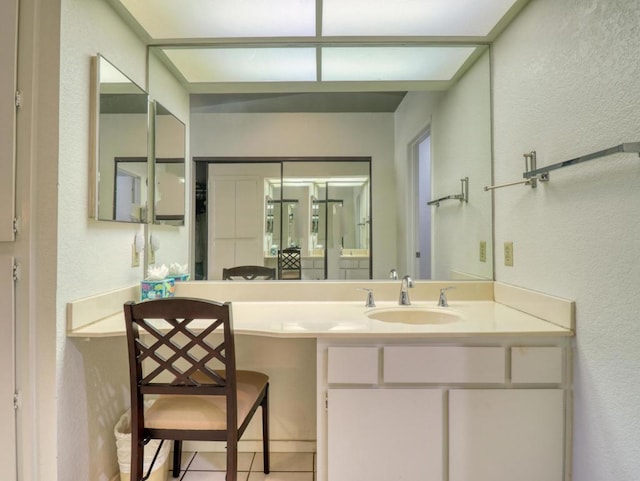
(215, 43)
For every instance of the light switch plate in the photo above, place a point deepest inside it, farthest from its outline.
(508, 254)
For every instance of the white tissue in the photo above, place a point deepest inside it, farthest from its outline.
(155, 273)
(176, 269)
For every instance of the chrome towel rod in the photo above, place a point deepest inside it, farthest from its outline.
(630, 147)
(463, 196)
(529, 166)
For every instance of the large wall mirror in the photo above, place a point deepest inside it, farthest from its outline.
(120, 144)
(390, 128)
(169, 168)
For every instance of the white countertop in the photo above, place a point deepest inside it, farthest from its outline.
(304, 319)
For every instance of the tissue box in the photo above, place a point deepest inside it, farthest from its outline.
(157, 289)
(179, 278)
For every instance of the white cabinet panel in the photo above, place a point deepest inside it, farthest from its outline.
(506, 435)
(356, 365)
(235, 233)
(444, 364)
(224, 209)
(248, 209)
(385, 434)
(7, 373)
(8, 59)
(531, 364)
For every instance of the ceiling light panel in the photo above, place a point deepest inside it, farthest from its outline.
(392, 63)
(173, 19)
(245, 64)
(412, 17)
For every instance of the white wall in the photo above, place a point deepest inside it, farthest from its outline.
(566, 83)
(92, 257)
(459, 122)
(309, 135)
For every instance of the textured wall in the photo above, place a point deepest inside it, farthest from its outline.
(566, 83)
(92, 384)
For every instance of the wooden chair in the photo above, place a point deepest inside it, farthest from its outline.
(289, 263)
(248, 273)
(182, 351)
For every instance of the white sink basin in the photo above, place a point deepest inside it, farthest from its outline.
(414, 315)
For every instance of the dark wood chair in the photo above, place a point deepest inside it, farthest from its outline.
(289, 263)
(182, 351)
(248, 273)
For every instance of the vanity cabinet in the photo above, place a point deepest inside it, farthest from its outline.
(488, 410)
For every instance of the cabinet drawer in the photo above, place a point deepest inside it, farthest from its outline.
(353, 365)
(443, 364)
(531, 364)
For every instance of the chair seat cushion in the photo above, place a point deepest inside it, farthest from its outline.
(205, 412)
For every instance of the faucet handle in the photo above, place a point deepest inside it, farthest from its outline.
(393, 275)
(442, 300)
(370, 301)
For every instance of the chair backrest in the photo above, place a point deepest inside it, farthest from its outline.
(290, 263)
(248, 273)
(181, 346)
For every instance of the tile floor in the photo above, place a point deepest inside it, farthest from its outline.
(210, 466)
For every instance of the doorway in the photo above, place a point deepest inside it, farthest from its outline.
(422, 212)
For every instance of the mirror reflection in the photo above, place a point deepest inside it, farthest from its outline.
(260, 212)
(121, 146)
(169, 168)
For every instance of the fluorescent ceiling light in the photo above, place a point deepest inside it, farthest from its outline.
(170, 19)
(412, 17)
(392, 63)
(245, 64)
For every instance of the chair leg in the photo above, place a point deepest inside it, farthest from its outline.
(232, 460)
(265, 429)
(137, 458)
(177, 457)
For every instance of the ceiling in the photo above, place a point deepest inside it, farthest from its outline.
(306, 50)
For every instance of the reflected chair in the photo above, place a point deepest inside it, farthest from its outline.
(289, 263)
(182, 352)
(248, 273)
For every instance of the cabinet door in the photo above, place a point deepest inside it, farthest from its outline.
(8, 60)
(504, 435)
(7, 376)
(235, 237)
(385, 434)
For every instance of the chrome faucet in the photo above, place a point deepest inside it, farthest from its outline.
(393, 274)
(442, 300)
(406, 283)
(370, 301)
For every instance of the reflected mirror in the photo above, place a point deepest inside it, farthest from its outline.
(255, 209)
(169, 168)
(120, 132)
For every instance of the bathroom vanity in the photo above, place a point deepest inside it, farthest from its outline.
(477, 391)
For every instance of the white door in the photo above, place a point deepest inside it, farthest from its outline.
(385, 434)
(7, 373)
(8, 61)
(506, 435)
(235, 236)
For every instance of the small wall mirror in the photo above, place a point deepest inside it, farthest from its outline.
(169, 197)
(120, 144)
